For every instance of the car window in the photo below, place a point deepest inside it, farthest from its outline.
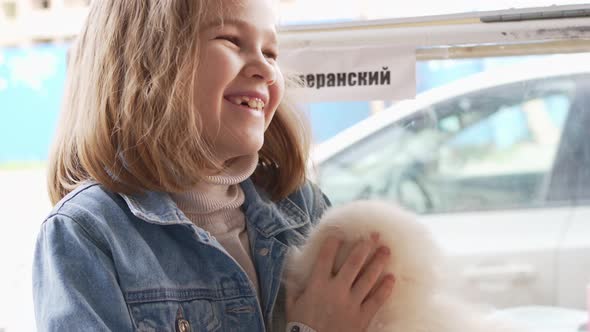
(492, 149)
(570, 180)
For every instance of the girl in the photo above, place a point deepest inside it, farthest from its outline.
(178, 175)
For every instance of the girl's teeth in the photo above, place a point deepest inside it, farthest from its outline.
(236, 100)
(254, 103)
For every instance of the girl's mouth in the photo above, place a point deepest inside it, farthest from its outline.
(250, 102)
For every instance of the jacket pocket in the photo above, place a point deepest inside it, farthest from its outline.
(175, 316)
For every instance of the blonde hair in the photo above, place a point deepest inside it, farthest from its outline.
(128, 120)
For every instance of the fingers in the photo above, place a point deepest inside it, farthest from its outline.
(356, 260)
(354, 263)
(324, 263)
(378, 297)
(349, 299)
(366, 280)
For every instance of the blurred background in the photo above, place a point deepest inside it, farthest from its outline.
(484, 140)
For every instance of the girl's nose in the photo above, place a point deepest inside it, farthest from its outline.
(259, 68)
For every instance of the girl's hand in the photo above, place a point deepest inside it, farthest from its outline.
(344, 300)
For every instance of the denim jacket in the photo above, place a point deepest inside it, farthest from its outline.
(113, 262)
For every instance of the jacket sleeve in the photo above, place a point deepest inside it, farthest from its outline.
(75, 286)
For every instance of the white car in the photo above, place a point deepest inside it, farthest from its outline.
(498, 167)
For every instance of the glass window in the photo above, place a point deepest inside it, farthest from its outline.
(491, 149)
(503, 145)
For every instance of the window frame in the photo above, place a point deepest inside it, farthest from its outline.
(539, 30)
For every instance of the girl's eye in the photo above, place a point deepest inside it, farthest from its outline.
(231, 39)
(271, 55)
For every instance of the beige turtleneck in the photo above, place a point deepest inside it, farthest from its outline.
(214, 205)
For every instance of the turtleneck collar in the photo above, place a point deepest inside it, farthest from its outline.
(218, 196)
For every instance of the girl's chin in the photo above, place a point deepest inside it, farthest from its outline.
(241, 148)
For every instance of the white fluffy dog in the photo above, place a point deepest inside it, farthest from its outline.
(421, 300)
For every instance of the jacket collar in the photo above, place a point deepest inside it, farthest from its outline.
(156, 208)
(267, 217)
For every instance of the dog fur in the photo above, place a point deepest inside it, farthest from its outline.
(421, 300)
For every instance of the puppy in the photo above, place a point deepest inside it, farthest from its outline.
(420, 301)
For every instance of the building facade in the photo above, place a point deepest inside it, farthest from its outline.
(27, 22)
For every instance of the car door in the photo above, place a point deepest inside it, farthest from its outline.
(570, 184)
(487, 187)
(477, 167)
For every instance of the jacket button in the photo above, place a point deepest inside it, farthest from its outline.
(263, 251)
(183, 325)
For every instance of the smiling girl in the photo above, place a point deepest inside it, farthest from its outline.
(178, 178)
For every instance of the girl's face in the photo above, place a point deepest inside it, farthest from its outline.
(239, 82)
